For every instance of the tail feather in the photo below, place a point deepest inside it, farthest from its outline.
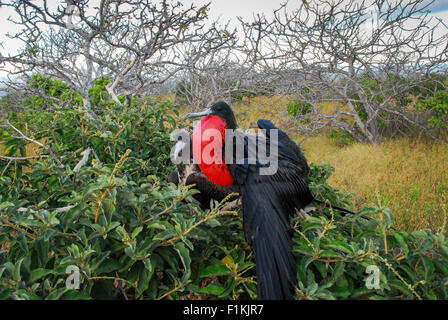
(276, 268)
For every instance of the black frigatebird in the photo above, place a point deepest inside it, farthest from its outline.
(190, 173)
(268, 201)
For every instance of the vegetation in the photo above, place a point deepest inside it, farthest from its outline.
(132, 235)
(85, 149)
(296, 108)
(409, 176)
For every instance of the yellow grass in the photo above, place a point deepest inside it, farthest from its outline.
(32, 149)
(410, 177)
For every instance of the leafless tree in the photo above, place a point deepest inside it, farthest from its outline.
(219, 75)
(363, 56)
(138, 45)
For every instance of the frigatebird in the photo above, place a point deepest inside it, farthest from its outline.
(190, 173)
(268, 201)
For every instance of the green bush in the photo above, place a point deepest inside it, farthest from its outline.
(298, 108)
(133, 235)
(439, 105)
(126, 223)
(341, 137)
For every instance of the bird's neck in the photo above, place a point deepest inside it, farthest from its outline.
(231, 122)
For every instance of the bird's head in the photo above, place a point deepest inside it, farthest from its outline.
(220, 109)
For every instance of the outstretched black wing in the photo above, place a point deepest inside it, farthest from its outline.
(287, 142)
(268, 200)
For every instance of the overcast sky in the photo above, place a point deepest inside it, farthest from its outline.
(223, 9)
(229, 9)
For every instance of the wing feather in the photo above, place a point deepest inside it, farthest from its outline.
(267, 203)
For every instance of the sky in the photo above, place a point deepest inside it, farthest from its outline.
(229, 9)
(439, 6)
(223, 10)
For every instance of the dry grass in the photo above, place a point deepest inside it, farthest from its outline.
(410, 177)
(32, 149)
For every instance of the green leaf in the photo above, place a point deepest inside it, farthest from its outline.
(5, 205)
(136, 232)
(330, 254)
(397, 284)
(214, 289)
(216, 270)
(36, 274)
(184, 255)
(108, 266)
(338, 270)
(340, 291)
(361, 293)
(17, 268)
(164, 235)
(56, 294)
(389, 215)
(429, 268)
(400, 239)
(75, 295)
(338, 245)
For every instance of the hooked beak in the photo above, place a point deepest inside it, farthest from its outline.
(204, 113)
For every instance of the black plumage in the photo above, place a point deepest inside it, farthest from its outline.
(189, 173)
(268, 201)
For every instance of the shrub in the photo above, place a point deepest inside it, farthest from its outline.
(341, 137)
(298, 108)
(125, 222)
(439, 105)
(133, 235)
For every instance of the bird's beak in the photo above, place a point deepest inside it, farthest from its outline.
(204, 113)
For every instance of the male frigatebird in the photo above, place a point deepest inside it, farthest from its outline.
(268, 201)
(189, 173)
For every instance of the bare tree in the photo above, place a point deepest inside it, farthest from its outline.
(138, 45)
(218, 75)
(363, 56)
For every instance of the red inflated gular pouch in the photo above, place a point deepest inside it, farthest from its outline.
(208, 140)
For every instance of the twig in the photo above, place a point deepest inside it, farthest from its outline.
(216, 212)
(158, 215)
(6, 168)
(60, 210)
(18, 229)
(111, 177)
(22, 158)
(22, 136)
(177, 288)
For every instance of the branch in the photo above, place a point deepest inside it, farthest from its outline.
(22, 136)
